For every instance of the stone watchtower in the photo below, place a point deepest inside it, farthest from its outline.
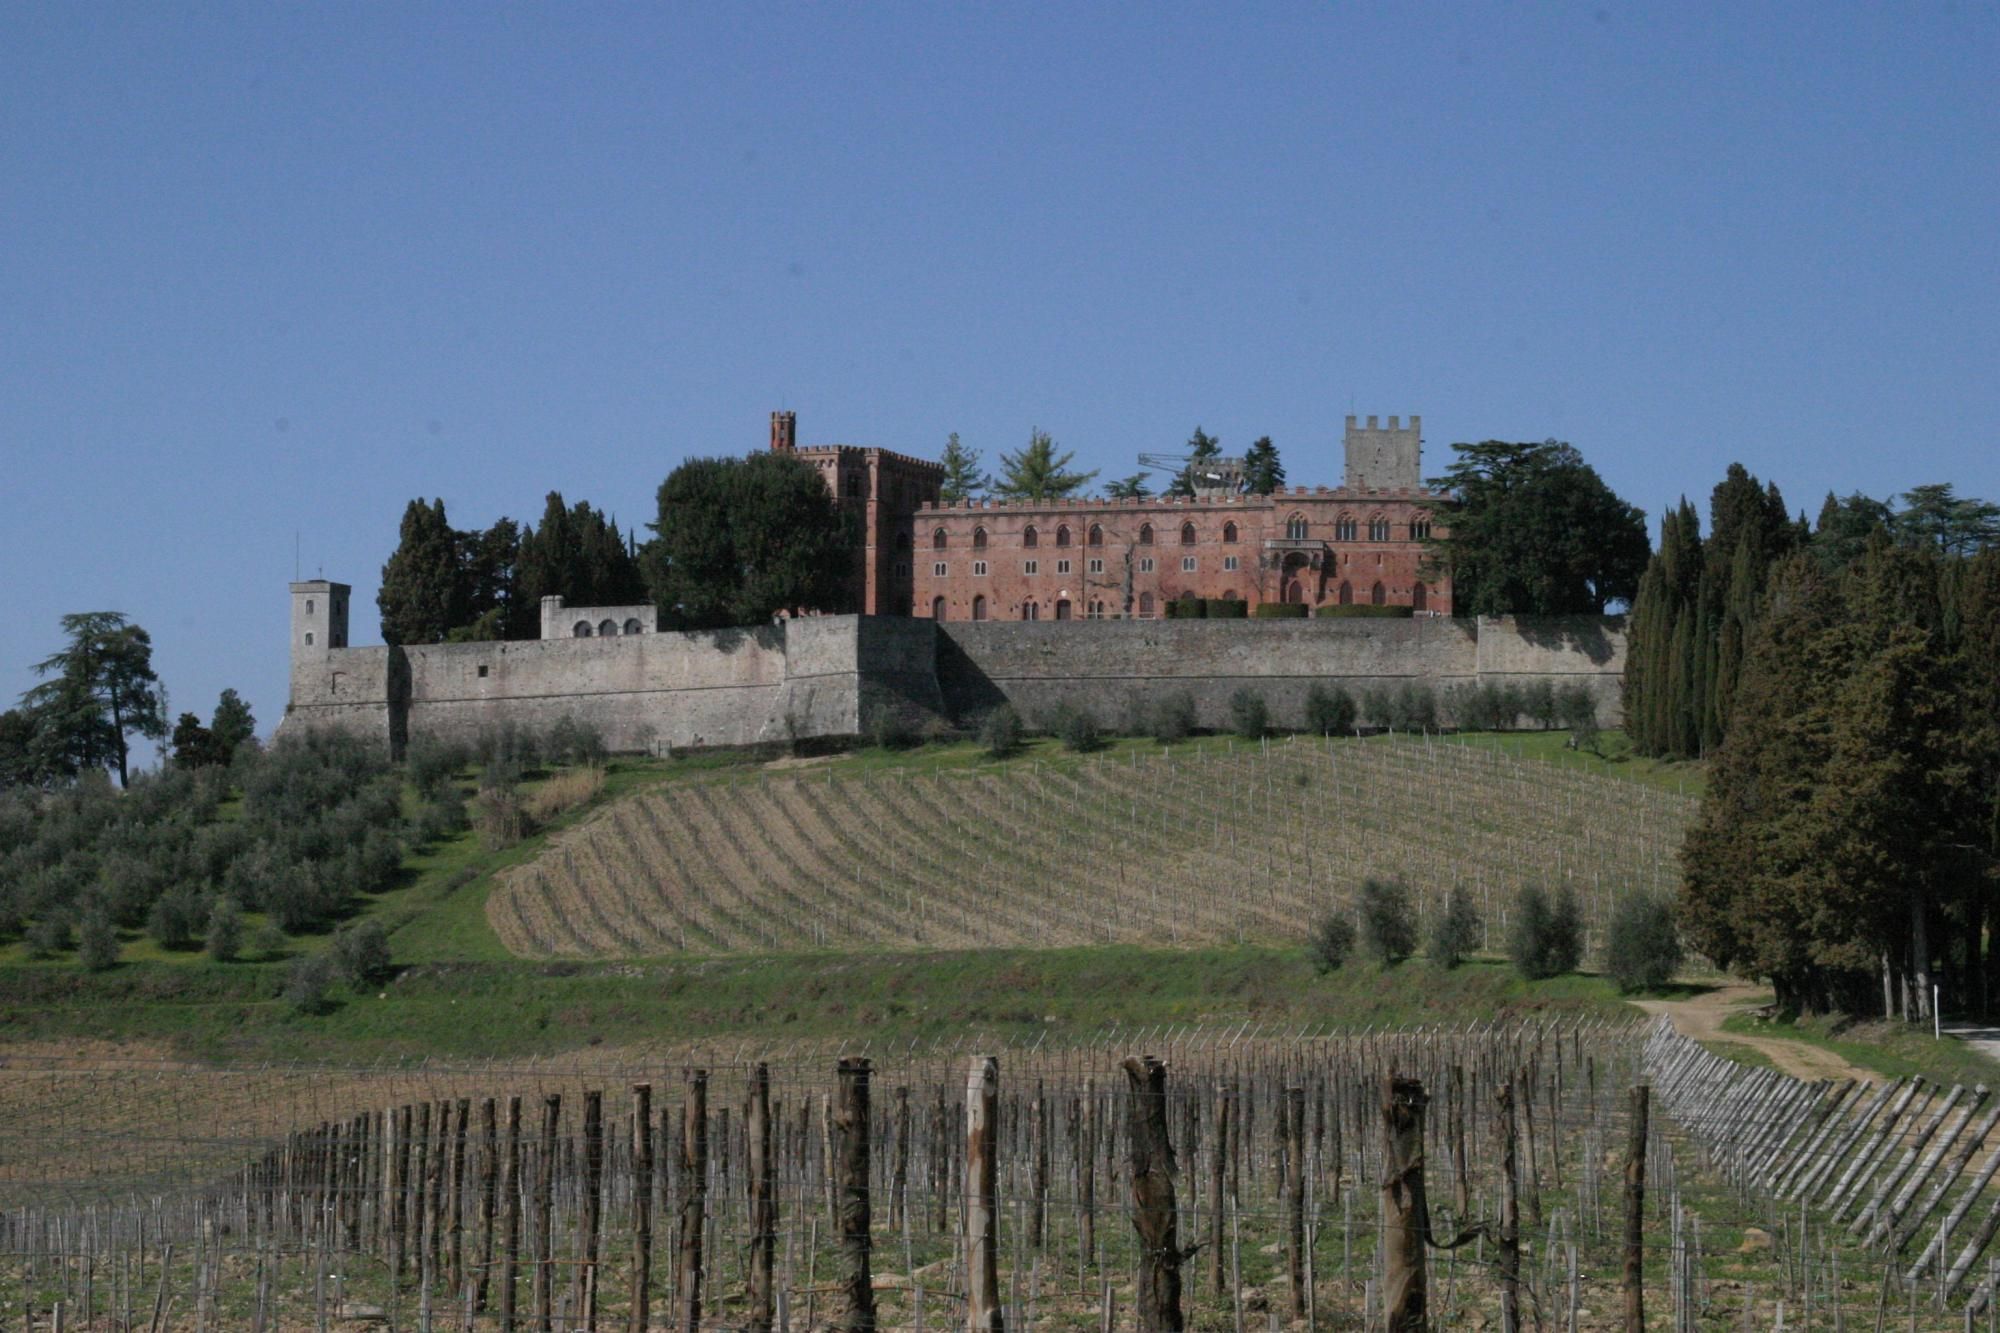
(319, 622)
(1384, 458)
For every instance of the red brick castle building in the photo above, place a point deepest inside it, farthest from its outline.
(1358, 543)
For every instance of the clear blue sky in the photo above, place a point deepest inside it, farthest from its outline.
(270, 271)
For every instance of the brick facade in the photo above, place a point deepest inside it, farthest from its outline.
(1125, 559)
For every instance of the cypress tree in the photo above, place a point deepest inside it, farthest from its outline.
(423, 594)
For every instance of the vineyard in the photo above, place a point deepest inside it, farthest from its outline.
(1235, 845)
(1502, 1176)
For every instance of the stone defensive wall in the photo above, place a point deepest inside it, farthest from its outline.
(828, 676)
(1104, 665)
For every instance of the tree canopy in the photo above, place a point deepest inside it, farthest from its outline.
(1533, 530)
(98, 690)
(1133, 487)
(1038, 472)
(962, 478)
(1262, 472)
(739, 540)
(1202, 448)
(423, 595)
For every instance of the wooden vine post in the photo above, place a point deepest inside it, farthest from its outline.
(593, 1201)
(1405, 1212)
(545, 1175)
(1510, 1216)
(1294, 1124)
(642, 1206)
(694, 1198)
(851, 1124)
(1153, 1207)
(763, 1204)
(1218, 1171)
(982, 1264)
(510, 1245)
(1635, 1213)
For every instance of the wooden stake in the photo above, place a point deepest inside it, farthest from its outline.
(1405, 1213)
(1151, 1155)
(982, 1268)
(851, 1126)
(1635, 1213)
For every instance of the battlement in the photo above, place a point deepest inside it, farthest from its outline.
(864, 450)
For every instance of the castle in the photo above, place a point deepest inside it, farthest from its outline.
(977, 624)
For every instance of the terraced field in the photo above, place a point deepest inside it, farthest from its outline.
(1146, 849)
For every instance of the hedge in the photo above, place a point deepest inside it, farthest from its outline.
(1226, 608)
(1184, 608)
(1281, 611)
(1366, 610)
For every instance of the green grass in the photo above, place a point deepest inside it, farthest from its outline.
(1894, 1050)
(495, 1010)
(1614, 757)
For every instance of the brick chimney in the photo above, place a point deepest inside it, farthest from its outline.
(784, 431)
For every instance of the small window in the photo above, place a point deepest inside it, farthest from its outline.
(1030, 566)
(1228, 533)
(1095, 536)
(1145, 534)
(979, 569)
(607, 629)
(937, 540)
(1097, 566)
(979, 539)
(633, 626)
(1146, 564)
(979, 607)
(482, 671)
(1229, 563)
(903, 570)
(1378, 529)
(581, 629)
(309, 606)
(1062, 539)
(1145, 605)
(1062, 566)
(1031, 612)
(1187, 564)
(309, 638)
(1295, 528)
(1187, 534)
(1028, 536)
(939, 569)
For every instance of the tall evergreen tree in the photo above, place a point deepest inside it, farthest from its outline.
(232, 723)
(1202, 448)
(962, 478)
(423, 596)
(1038, 472)
(1133, 487)
(99, 689)
(1262, 472)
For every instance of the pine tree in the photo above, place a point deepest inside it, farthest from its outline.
(1262, 472)
(963, 480)
(232, 723)
(1133, 487)
(1038, 473)
(1202, 448)
(423, 593)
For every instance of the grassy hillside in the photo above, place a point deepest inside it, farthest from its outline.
(1228, 843)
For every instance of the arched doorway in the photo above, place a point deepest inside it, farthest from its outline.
(1347, 594)
(1377, 595)
(1419, 597)
(1062, 608)
(937, 608)
(979, 607)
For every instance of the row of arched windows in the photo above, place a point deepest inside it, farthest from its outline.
(1293, 591)
(605, 629)
(1345, 529)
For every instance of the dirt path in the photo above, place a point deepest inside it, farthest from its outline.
(1701, 1019)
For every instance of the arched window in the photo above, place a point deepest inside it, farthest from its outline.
(937, 539)
(979, 607)
(1378, 529)
(607, 629)
(632, 626)
(1031, 612)
(1145, 605)
(1029, 537)
(1420, 597)
(1095, 536)
(1420, 529)
(1062, 535)
(1187, 534)
(1229, 594)
(581, 629)
(937, 608)
(1295, 528)
(1346, 597)
(1343, 528)
(1228, 532)
(1062, 608)
(1376, 594)
(309, 606)
(1145, 534)
(309, 638)
(979, 539)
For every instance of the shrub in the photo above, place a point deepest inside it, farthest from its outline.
(1078, 729)
(361, 954)
(225, 930)
(1388, 921)
(1456, 931)
(97, 943)
(1512, 703)
(1173, 718)
(1478, 707)
(1330, 711)
(175, 918)
(268, 942)
(1185, 608)
(1364, 611)
(307, 982)
(1280, 611)
(49, 935)
(1416, 707)
(1000, 733)
(1643, 948)
(1225, 608)
(1378, 706)
(442, 817)
(1329, 942)
(433, 765)
(1576, 706)
(1538, 701)
(1545, 939)
(574, 742)
(1249, 716)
